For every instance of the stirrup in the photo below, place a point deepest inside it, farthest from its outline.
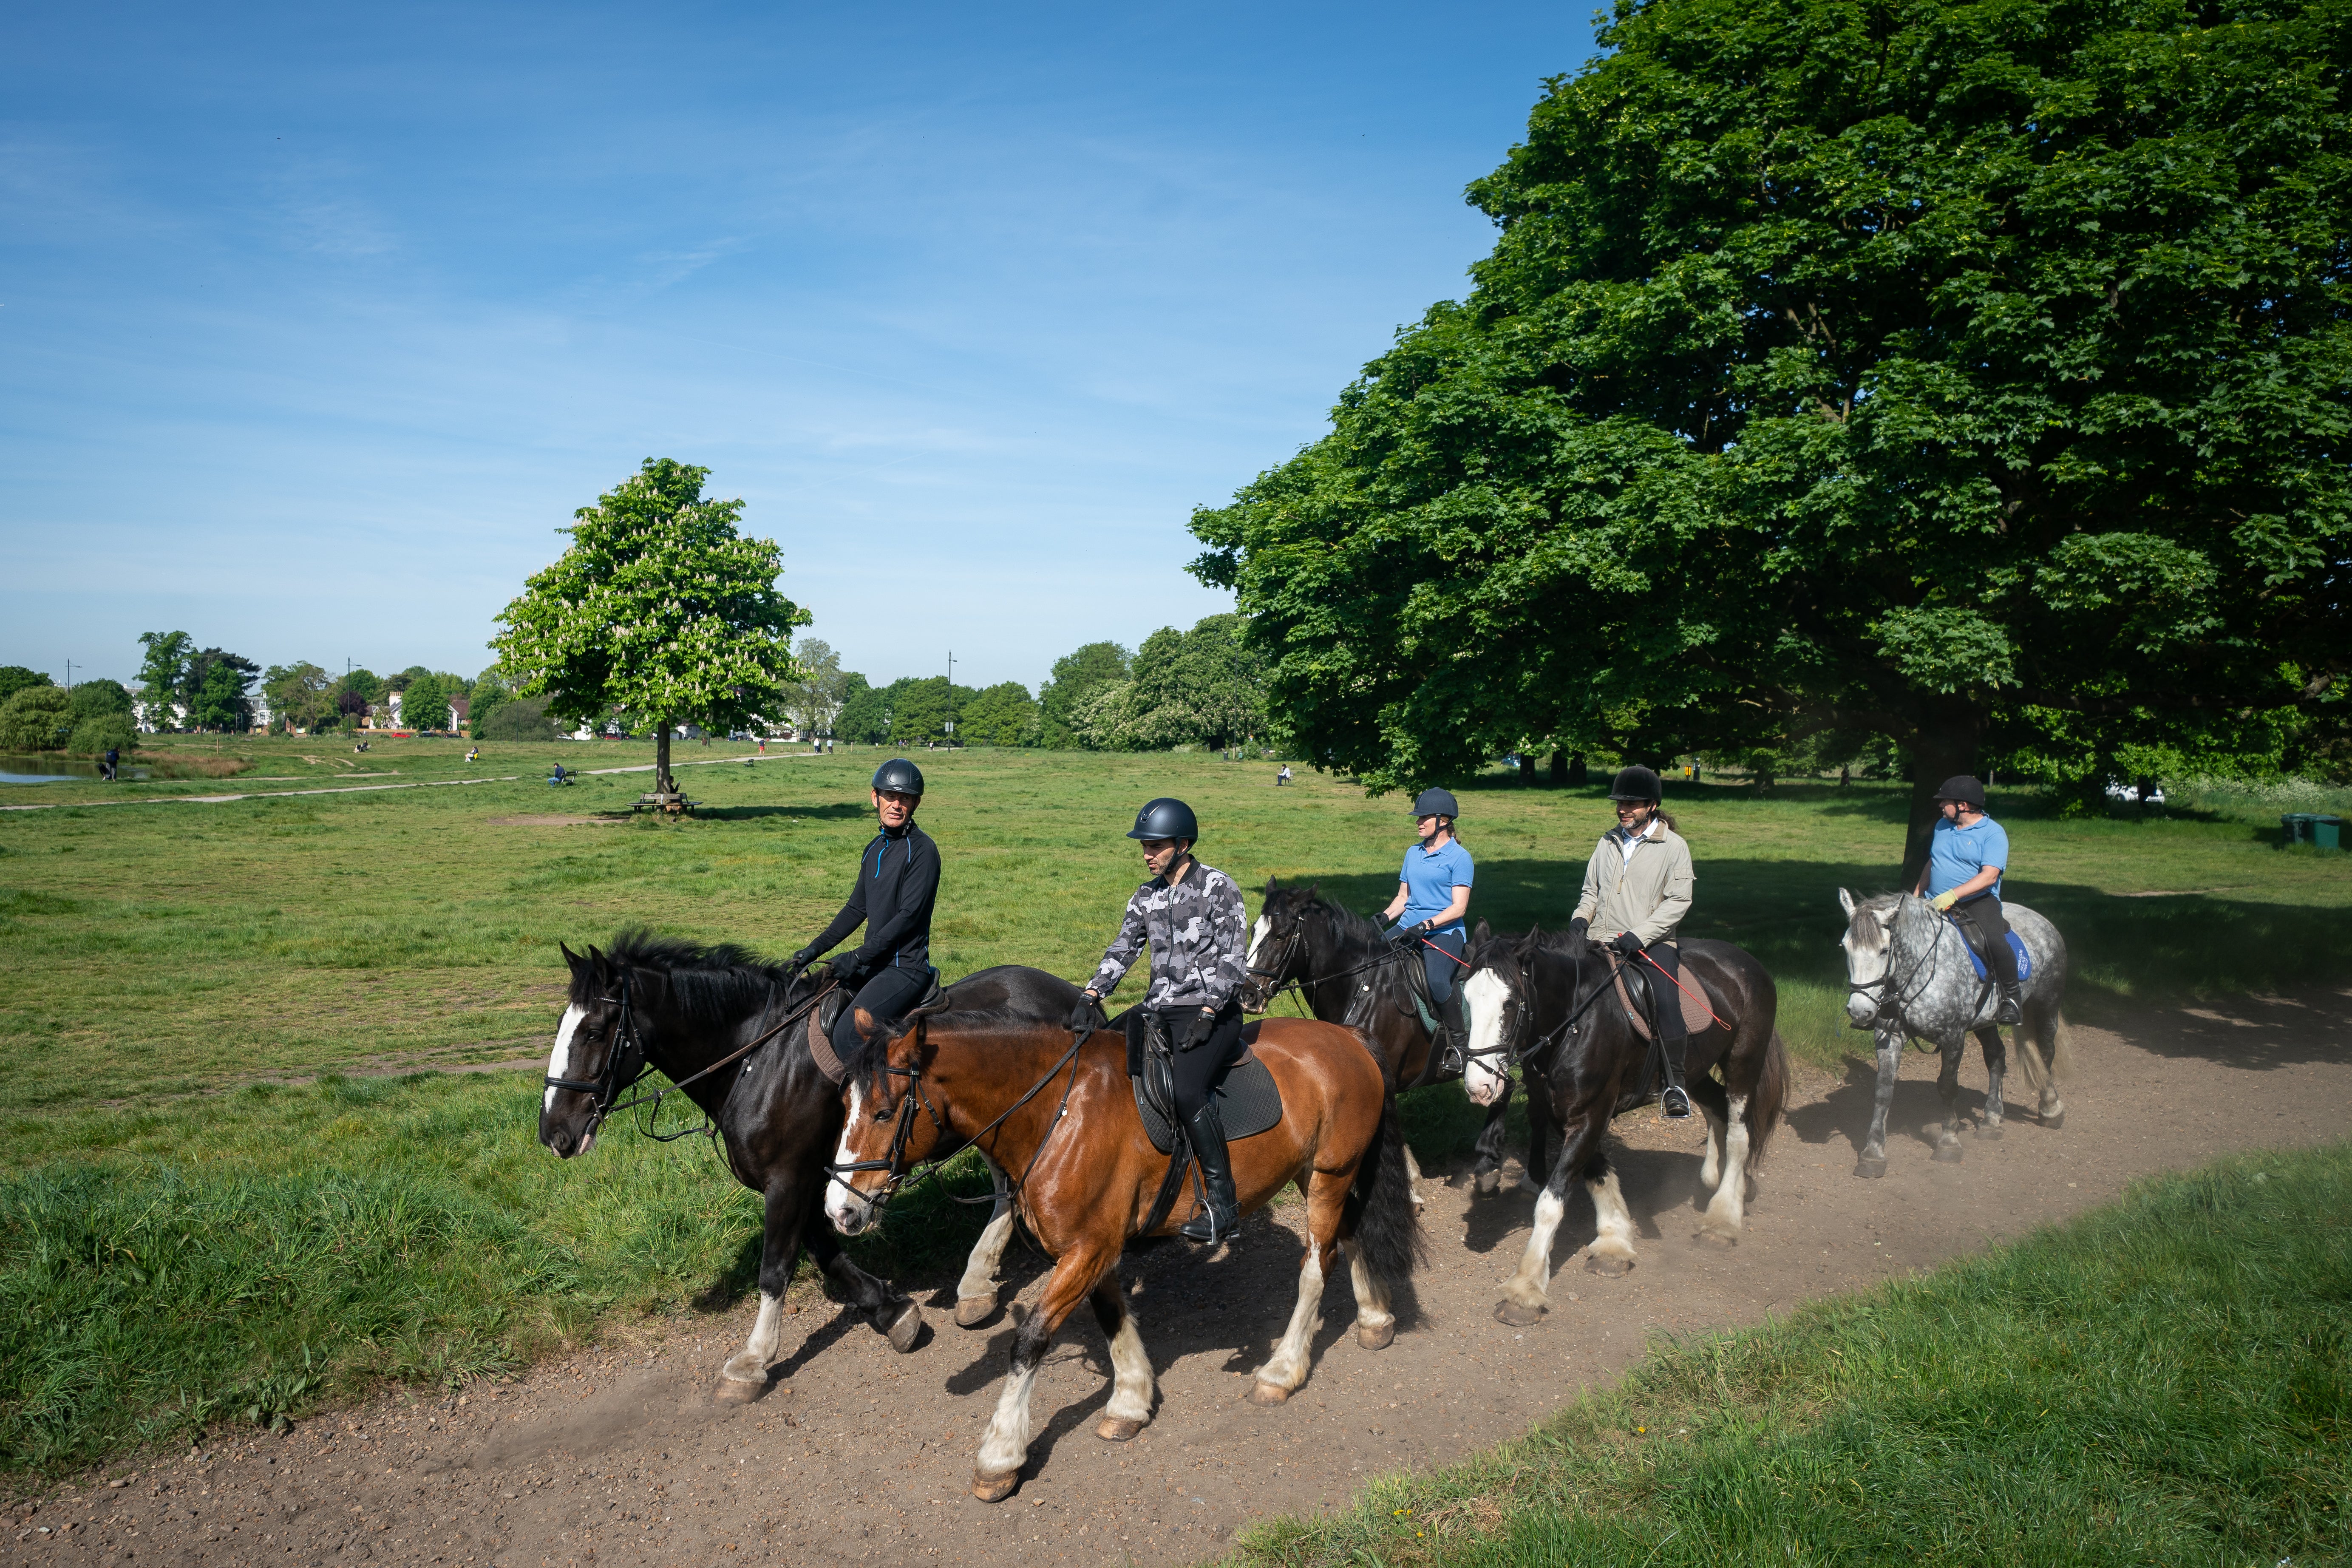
(1675, 1103)
(2011, 1008)
(1204, 1228)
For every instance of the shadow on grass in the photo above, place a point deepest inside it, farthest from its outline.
(840, 811)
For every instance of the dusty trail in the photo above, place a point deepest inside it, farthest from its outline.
(617, 1456)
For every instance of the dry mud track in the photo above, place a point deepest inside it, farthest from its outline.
(618, 1456)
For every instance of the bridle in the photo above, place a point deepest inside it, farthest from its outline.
(897, 1180)
(1513, 1040)
(625, 1040)
(1876, 989)
(1269, 982)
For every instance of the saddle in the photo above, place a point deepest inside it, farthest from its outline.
(828, 1011)
(1972, 937)
(1636, 987)
(1246, 1096)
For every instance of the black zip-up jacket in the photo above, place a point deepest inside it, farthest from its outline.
(898, 883)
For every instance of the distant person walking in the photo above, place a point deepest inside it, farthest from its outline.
(113, 760)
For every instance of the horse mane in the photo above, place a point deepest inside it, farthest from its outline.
(1010, 995)
(1874, 916)
(713, 982)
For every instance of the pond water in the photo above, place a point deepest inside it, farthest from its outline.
(21, 770)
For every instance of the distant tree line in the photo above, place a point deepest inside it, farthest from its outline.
(1202, 688)
(38, 715)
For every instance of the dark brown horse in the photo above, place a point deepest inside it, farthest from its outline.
(687, 1010)
(1348, 973)
(1549, 1004)
(990, 1066)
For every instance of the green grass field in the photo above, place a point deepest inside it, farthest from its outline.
(230, 1190)
(2166, 1381)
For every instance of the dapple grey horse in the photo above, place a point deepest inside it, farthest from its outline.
(1909, 977)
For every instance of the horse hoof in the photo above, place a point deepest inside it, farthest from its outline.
(1376, 1338)
(907, 1330)
(1512, 1315)
(740, 1391)
(971, 1311)
(1949, 1154)
(2054, 1120)
(1489, 1182)
(994, 1489)
(1115, 1429)
(1870, 1169)
(1989, 1134)
(1268, 1393)
(1718, 1238)
(1612, 1267)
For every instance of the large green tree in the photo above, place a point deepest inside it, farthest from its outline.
(1976, 374)
(163, 675)
(1075, 678)
(813, 701)
(999, 715)
(660, 609)
(300, 694)
(14, 678)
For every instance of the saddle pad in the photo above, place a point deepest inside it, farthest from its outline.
(820, 1045)
(1689, 990)
(1247, 1098)
(2024, 959)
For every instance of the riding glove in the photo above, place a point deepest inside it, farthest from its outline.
(1085, 1014)
(1627, 944)
(1581, 928)
(800, 961)
(1946, 900)
(1195, 1030)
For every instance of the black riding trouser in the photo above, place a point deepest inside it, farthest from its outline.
(1665, 991)
(1441, 960)
(1197, 1069)
(1984, 912)
(887, 995)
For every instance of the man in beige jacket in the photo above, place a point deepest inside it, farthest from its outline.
(1637, 889)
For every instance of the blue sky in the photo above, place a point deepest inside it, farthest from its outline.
(315, 322)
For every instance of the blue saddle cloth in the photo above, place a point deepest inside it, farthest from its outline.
(2024, 959)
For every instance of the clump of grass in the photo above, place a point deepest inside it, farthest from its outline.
(2167, 1380)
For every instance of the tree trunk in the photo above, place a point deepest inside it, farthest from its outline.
(1578, 773)
(1527, 769)
(1558, 765)
(1946, 745)
(662, 784)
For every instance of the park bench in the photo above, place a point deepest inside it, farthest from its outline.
(671, 803)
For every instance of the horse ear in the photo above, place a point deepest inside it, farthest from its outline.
(597, 962)
(571, 960)
(1845, 902)
(1271, 884)
(1481, 932)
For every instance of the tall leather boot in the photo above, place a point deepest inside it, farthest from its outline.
(1207, 1132)
(1673, 1101)
(1454, 1023)
(2011, 1007)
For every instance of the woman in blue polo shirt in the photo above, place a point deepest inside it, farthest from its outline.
(1967, 854)
(1433, 891)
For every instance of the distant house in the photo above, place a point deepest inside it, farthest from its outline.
(461, 708)
(152, 716)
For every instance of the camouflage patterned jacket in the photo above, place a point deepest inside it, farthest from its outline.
(1198, 941)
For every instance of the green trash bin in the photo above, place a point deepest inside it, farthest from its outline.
(2327, 832)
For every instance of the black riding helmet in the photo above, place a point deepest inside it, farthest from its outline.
(1636, 782)
(899, 776)
(1166, 817)
(1962, 790)
(1435, 803)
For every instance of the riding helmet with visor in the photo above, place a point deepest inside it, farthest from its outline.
(1166, 817)
(899, 776)
(1636, 784)
(1436, 803)
(1962, 790)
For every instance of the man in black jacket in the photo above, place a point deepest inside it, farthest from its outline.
(898, 883)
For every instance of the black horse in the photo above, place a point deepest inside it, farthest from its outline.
(1348, 973)
(682, 1007)
(1548, 1002)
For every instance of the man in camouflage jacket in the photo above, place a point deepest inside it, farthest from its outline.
(1192, 916)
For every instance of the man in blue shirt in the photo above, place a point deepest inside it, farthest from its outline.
(1967, 854)
(1433, 891)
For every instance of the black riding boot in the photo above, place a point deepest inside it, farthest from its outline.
(1453, 1032)
(1673, 1101)
(1207, 1130)
(2012, 1009)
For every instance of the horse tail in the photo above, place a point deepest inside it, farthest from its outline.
(1771, 1097)
(1381, 1220)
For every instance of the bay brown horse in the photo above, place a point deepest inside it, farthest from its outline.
(1348, 972)
(1549, 1003)
(989, 1064)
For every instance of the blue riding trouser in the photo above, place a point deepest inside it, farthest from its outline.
(1441, 960)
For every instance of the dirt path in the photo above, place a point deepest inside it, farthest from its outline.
(618, 1457)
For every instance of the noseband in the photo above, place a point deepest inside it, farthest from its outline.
(1268, 979)
(1521, 1027)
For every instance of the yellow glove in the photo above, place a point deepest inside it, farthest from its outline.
(1946, 900)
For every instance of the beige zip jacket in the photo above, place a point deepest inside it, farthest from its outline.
(1648, 894)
